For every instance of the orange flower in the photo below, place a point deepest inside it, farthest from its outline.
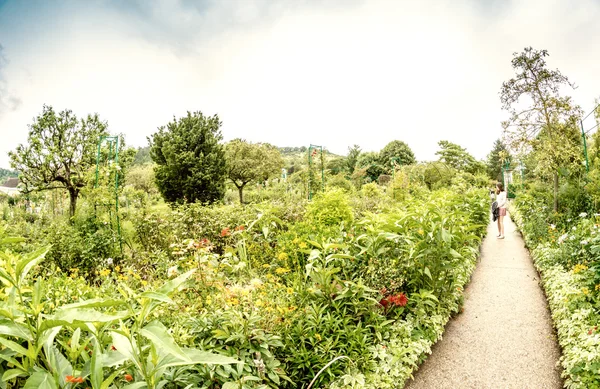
(240, 228)
(128, 377)
(225, 231)
(74, 380)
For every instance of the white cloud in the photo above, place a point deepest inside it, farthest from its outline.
(329, 73)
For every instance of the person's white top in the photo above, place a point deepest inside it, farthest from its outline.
(501, 199)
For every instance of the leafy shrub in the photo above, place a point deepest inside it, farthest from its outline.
(330, 208)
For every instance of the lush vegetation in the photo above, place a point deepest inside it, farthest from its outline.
(164, 276)
(557, 205)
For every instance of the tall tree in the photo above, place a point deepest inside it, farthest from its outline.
(370, 162)
(251, 162)
(458, 157)
(495, 159)
(61, 149)
(352, 158)
(544, 120)
(399, 150)
(190, 161)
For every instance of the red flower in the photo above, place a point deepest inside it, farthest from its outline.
(225, 232)
(384, 302)
(240, 228)
(128, 377)
(398, 300)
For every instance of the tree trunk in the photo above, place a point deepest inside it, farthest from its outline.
(73, 193)
(555, 192)
(240, 190)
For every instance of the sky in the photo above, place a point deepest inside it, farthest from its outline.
(289, 72)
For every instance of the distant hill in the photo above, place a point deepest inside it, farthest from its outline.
(5, 173)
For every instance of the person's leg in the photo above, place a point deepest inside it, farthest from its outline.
(501, 221)
(499, 228)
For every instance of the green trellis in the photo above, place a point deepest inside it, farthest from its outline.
(112, 157)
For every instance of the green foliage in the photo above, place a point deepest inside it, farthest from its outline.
(249, 162)
(495, 160)
(142, 156)
(61, 149)
(330, 208)
(370, 163)
(6, 173)
(352, 158)
(190, 162)
(397, 150)
(458, 158)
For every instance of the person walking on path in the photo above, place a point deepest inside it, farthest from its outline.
(501, 200)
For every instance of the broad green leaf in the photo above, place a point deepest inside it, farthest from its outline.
(124, 346)
(157, 296)
(137, 385)
(428, 273)
(157, 333)
(96, 371)
(8, 327)
(40, 380)
(29, 261)
(11, 239)
(13, 373)
(108, 381)
(94, 303)
(14, 346)
(175, 283)
(87, 315)
(59, 365)
(230, 385)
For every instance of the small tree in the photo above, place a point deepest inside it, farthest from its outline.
(352, 158)
(251, 162)
(61, 149)
(540, 118)
(399, 150)
(190, 162)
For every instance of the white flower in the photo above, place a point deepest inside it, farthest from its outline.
(584, 242)
(109, 261)
(583, 214)
(553, 226)
(572, 237)
(172, 271)
(568, 220)
(562, 238)
(256, 282)
(574, 228)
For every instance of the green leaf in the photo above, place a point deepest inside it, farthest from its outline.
(137, 385)
(86, 315)
(40, 380)
(8, 327)
(14, 346)
(157, 296)
(13, 373)
(96, 371)
(124, 346)
(157, 333)
(29, 261)
(230, 385)
(428, 273)
(59, 365)
(175, 283)
(108, 381)
(11, 239)
(94, 303)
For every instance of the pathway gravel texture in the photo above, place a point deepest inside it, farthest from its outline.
(504, 337)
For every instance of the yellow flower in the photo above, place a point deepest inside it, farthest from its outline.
(290, 290)
(579, 268)
(282, 270)
(117, 268)
(302, 245)
(104, 272)
(296, 240)
(318, 337)
(421, 232)
(258, 303)
(597, 287)
(266, 266)
(144, 282)
(282, 256)
(585, 291)
(234, 301)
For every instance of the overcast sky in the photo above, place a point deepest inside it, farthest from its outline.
(327, 72)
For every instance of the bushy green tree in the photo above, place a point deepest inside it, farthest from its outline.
(190, 161)
(352, 158)
(61, 149)
(370, 161)
(457, 157)
(546, 122)
(399, 150)
(495, 160)
(251, 162)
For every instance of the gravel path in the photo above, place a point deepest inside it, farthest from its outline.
(504, 338)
